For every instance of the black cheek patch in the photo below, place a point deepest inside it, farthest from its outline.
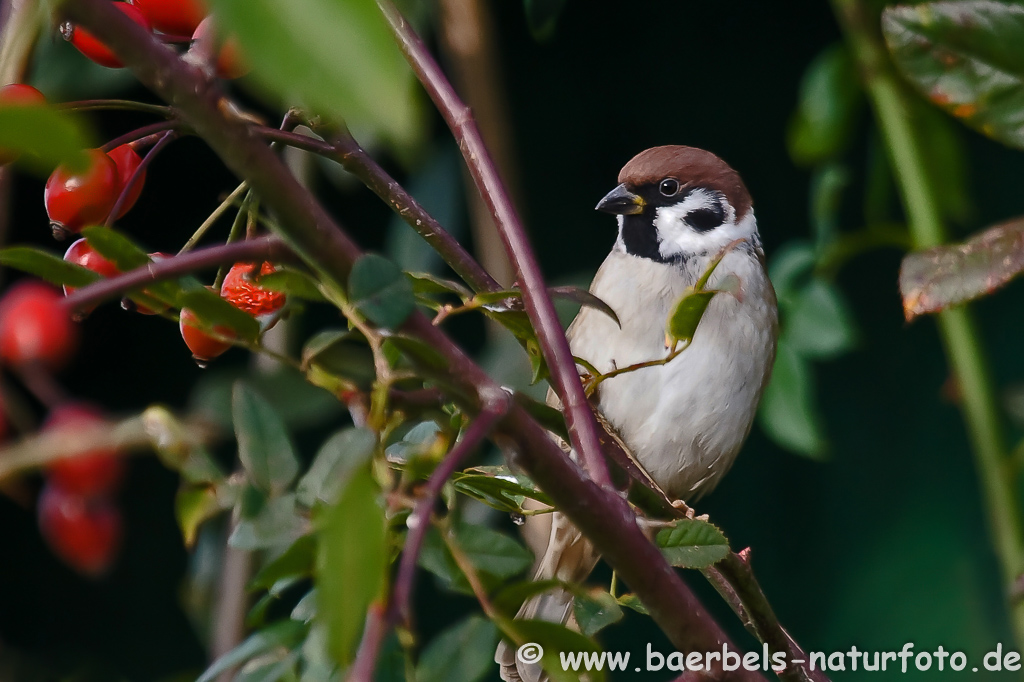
(704, 219)
(640, 238)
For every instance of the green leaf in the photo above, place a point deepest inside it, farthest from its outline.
(788, 413)
(819, 324)
(352, 563)
(556, 639)
(497, 487)
(263, 444)
(295, 562)
(419, 352)
(45, 265)
(542, 17)
(790, 269)
(584, 298)
(495, 555)
(595, 610)
(305, 609)
(294, 283)
(339, 456)
(214, 311)
(944, 276)
(193, 506)
(692, 543)
(340, 355)
(631, 601)
(965, 57)
(43, 136)
(286, 634)
(687, 314)
(116, 247)
(381, 291)
(826, 114)
(274, 525)
(426, 283)
(463, 652)
(337, 59)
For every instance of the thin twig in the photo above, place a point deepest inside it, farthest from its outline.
(211, 219)
(262, 249)
(136, 177)
(117, 105)
(144, 131)
(419, 523)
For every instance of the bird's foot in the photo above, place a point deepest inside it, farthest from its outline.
(688, 511)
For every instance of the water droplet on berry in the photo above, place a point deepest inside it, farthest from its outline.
(128, 304)
(201, 363)
(67, 29)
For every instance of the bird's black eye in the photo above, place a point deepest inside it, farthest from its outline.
(668, 187)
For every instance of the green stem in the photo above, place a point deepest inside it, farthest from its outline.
(959, 332)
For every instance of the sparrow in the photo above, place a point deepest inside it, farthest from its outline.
(678, 209)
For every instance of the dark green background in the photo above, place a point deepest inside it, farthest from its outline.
(883, 544)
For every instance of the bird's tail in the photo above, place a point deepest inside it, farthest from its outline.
(567, 556)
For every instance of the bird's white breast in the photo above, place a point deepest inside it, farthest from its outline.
(685, 421)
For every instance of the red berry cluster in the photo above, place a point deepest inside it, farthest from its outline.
(78, 516)
(171, 20)
(240, 290)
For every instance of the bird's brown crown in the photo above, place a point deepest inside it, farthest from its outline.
(692, 167)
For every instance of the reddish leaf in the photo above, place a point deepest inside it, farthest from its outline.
(944, 276)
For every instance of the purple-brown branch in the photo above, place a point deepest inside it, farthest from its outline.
(419, 522)
(344, 149)
(136, 177)
(261, 249)
(598, 512)
(583, 430)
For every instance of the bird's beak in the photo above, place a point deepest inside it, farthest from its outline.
(620, 201)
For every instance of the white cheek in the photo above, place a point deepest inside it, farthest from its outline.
(677, 238)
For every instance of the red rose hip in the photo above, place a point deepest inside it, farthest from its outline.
(241, 290)
(84, 533)
(203, 346)
(127, 162)
(230, 62)
(76, 200)
(95, 473)
(91, 47)
(35, 326)
(174, 17)
(81, 253)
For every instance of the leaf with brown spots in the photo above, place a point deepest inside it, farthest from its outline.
(966, 57)
(944, 276)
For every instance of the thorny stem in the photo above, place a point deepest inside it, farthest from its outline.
(959, 332)
(398, 608)
(583, 430)
(136, 178)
